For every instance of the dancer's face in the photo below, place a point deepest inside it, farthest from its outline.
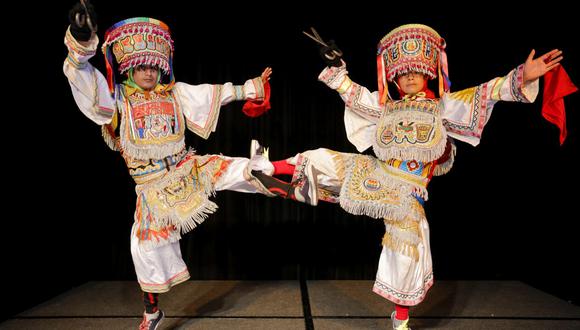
(411, 83)
(145, 76)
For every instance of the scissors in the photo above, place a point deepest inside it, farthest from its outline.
(81, 20)
(331, 54)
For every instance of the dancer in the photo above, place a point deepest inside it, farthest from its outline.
(412, 139)
(144, 118)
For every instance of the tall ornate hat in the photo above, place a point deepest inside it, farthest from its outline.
(138, 41)
(412, 48)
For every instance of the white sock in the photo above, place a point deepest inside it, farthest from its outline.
(149, 317)
(261, 164)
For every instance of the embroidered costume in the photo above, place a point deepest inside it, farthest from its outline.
(412, 140)
(173, 184)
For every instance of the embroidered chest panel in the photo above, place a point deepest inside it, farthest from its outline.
(156, 120)
(410, 130)
(152, 127)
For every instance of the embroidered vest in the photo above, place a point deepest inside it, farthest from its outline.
(410, 130)
(151, 128)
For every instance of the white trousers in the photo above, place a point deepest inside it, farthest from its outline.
(160, 268)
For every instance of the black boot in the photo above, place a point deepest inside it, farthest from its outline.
(273, 185)
(300, 191)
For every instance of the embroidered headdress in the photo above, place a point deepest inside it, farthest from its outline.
(411, 47)
(138, 41)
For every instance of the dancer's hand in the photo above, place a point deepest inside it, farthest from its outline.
(266, 74)
(331, 54)
(83, 20)
(535, 68)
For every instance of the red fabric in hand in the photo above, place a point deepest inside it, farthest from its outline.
(254, 108)
(557, 84)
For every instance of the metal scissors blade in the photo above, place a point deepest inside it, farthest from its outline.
(315, 37)
(86, 19)
(332, 53)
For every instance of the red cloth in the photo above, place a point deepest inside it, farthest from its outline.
(253, 108)
(557, 84)
(282, 167)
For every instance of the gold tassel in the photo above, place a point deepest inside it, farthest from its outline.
(408, 249)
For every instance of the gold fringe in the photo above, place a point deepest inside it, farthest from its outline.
(393, 200)
(430, 153)
(338, 162)
(111, 141)
(405, 235)
(444, 168)
(203, 187)
(405, 225)
(151, 151)
(400, 246)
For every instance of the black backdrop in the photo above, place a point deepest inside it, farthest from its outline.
(505, 212)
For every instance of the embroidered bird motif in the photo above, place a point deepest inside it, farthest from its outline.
(405, 127)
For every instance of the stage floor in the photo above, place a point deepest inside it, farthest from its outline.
(280, 305)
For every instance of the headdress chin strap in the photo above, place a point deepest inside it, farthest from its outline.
(409, 97)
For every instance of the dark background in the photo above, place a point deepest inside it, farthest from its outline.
(507, 210)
